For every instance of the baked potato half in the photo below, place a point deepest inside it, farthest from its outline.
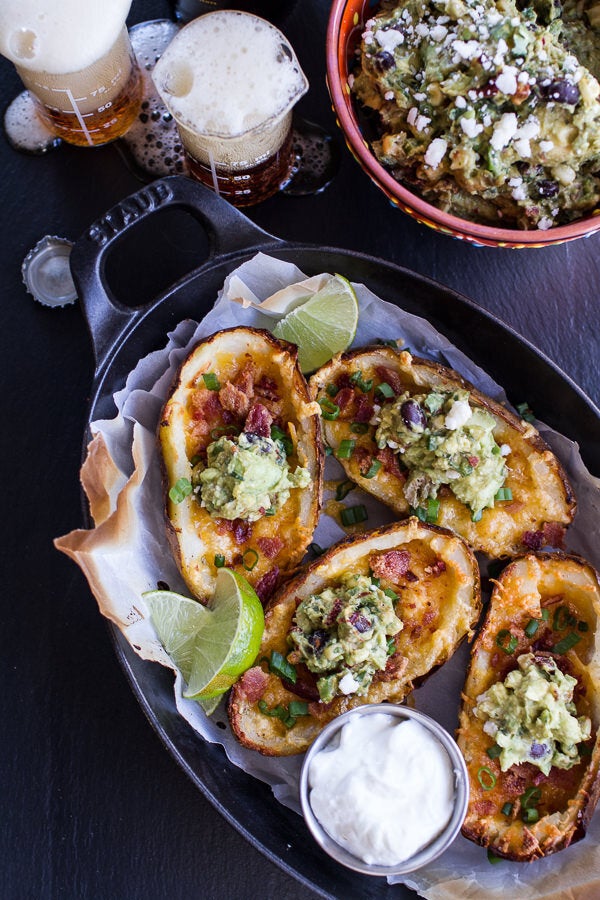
(531, 709)
(397, 424)
(237, 431)
(331, 622)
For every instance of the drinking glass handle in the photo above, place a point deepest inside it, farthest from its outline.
(228, 231)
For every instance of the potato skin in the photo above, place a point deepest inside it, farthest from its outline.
(568, 797)
(194, 536)
(439, 609)
(543, 501)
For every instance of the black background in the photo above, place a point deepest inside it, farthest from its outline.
(94, 806)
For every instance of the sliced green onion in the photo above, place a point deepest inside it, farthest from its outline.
(506, 641)
(359, 427)
(433, 509)
(329, 409)
(357, 379)
(375, 581)
(496, 451)
(249, 559)
(545, 614)
(387, 343)
(180, 490)
(277, 711)
(373, 469)
(494, 751)
(279, 665)
(343, 489)
(531, 797)
(507, 809)
(386, 390)
(567, 642)
(211, 381)
(562, 618)
(346, 449)
(391, 594)
(492, 858)
(332, 389)
(583, 626)
(531, 627)
(530, 815)
(298, 708)
(328, 450)
(391, 646)
(316, 549)
(278, 435)
(504, 493)
(486, 778)
(525, 412)
(219, 560)
(352, 515)
(270, 511)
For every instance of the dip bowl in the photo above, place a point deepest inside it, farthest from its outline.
(344, 30)
(329, 738)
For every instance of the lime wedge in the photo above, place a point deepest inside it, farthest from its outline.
(322, 326)
(211, 646)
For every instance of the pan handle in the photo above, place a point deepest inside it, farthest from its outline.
(228, 231)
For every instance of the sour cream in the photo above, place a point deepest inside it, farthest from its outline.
(384, 790)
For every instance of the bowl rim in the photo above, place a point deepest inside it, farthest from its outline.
(435, 847)
(412, 203)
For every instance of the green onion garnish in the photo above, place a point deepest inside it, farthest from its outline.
(278, 435)
(567, 642)
(391, 594)
(328, 450)
(180, 490)
(531, 627)
(343, 489)
(357, 379)
(562, 618)
(345, 449)
(494, 751)
(525, 412)
(219, 560)
(332, 389)
(279, 665)
(211, 381)
(427, 513)
(583, 626)
(504, 493)
(507, 809)
(352, 515)
(385, 390)
(329, 409)
(545, 614)
(249, 559)
(486, 778)
(530, 797)
(298, 708)
(375, 581)
(270, 511)
(492, 858)
(316, 549)
(359, 427)
(506, 641)
(373, 469)
(530, 815)
(384, 342)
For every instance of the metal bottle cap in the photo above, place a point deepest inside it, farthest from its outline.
(46, 272)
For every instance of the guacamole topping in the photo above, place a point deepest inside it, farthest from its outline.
(342, 634)
(532, 717)
(488, 109)
(443, 441)
(246, 477)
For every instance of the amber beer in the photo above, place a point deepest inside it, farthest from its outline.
(230, 80)
(78, 64)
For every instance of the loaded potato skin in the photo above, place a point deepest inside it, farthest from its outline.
(543, 613)
(433, 579)
(240, 395)
(371, 395)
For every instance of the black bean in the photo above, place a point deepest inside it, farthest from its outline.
(561, 91)
(537, 750)
(384, 61)
(412, 415)
(547, 188)
(317, 639)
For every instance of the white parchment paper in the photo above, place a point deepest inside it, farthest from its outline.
(126, 553)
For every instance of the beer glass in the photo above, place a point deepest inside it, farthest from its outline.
(230, 79)
(76, 60)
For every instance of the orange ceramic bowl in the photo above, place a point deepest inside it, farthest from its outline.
(346, 24)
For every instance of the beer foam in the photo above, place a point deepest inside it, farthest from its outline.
(59, 36)
(227, 72)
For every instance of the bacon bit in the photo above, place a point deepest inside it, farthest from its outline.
(305, 685)
(234, 399)
(554, 533)
(364, 410)
(473, 460)
(392, 378)
(205, 404)
(344, 399)
(245, 379)
(253, 684)
(389, 461)
(334, 612)
(270, 546)
(392, 565)
(363, 459)
(513, 782)
(522, 93)
(410, 576)
(436, 569)
(259, 420)
(484, 808)
(266, 585)
(533, 540)
(429, 616)
(242, 530)
(394, 667)
(267, 387)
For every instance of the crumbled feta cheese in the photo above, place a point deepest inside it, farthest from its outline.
(470, 126)
(438, 33)
(459, 415)
(504, 131)
(389, 40)
(506, 83)
(545, 223)
(460, 102)
(546, 146)
(466, 49)
(421, 123)
(522, 147)
(529, 129)
(420, 97)
(412, 115)
(520, 192)
(435, 152)
(348, 684)
(422, 29)
(504, 449)
(487, 120)
(515, 182)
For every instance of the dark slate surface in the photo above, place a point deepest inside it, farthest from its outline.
(94, 806)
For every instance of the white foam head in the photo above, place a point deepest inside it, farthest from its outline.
(227, 72)
(59, 36)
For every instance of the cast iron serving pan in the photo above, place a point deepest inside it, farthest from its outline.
(121, 335)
